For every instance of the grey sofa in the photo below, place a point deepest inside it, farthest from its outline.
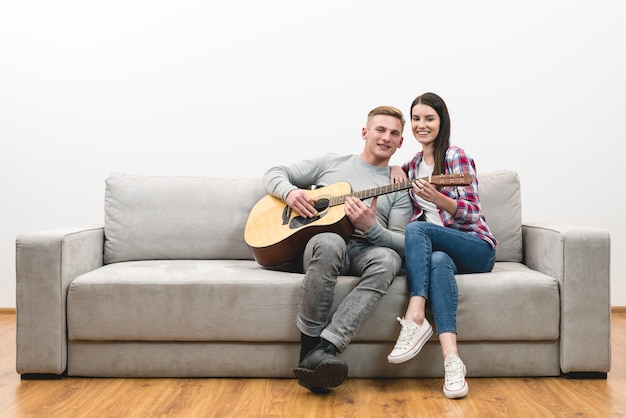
(167, 287)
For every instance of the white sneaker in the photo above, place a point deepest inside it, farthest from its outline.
(411, 340)
(455, 385)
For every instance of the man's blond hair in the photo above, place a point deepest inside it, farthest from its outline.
(386, 110)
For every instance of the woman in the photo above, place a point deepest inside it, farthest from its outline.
(454, 238)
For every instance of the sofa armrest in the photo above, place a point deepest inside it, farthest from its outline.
(46, 264)
(579, 258)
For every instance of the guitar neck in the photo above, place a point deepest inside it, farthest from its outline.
(460, 179)
(378, 191)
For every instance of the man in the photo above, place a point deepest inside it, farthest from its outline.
(374, 251)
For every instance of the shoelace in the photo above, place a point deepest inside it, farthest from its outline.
(406, 333)
(454, 372)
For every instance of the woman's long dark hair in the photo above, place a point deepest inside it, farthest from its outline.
(442, 142)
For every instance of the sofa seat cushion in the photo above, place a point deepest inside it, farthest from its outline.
(511, 303)
(236, 300)
(184, 300)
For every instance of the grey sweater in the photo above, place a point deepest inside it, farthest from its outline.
(393, 210)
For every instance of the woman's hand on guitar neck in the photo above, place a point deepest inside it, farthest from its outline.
(396, 175)
(300, 201)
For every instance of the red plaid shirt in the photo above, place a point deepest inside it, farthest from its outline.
(468, 216)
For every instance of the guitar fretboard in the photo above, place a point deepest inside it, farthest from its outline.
(376, 191)
(439, 180)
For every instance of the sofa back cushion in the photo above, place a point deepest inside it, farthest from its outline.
(168, 217)
(501, 203)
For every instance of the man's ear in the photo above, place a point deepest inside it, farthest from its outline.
(364, 133)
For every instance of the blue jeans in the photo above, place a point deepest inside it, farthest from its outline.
(434, 254)
(328, 255)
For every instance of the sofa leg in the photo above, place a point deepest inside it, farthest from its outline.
(584, 375)
(42, 376)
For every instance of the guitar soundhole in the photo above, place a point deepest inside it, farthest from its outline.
(321, 204)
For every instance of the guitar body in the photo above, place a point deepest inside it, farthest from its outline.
(276, 234)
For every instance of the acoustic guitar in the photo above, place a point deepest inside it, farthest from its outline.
(276, 234)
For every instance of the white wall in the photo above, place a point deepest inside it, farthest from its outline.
(231, 88)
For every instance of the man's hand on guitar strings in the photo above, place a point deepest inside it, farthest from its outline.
(361, 215)
(300, 201)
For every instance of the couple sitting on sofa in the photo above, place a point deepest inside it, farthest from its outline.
(449, 236)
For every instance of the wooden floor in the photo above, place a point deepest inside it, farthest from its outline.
(511, 397)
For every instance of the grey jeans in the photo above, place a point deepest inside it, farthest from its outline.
(326, 256)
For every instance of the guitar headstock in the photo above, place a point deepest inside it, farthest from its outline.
(453, 179)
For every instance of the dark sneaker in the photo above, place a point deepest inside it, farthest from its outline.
(321, 370)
